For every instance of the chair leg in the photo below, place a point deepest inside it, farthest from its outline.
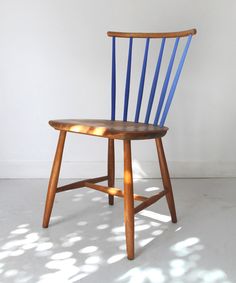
(166, 179)
(128, 200)
(111, 168)
(52, 186)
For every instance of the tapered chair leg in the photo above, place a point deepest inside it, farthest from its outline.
(166, 179)
(128, 200)
(52, 186)
(111, 168)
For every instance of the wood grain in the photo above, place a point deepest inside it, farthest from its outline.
(110, 129)
(128, 200)
(112, 191)
(111, 168)
(81, 184)
(166, 179)
(152, 34)
(52, 187)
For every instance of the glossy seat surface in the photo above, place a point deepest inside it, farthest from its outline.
(110, 129)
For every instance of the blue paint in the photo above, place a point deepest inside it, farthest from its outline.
(113, 80)
(127, 85)
(175, 81)
(154, 83)
(142, 79)
(166, 82)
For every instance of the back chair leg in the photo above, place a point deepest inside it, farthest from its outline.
(52, 187)
(111, 168)
(128, 200)
(166, 179)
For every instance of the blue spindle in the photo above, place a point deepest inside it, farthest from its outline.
(166, 82)
(142, 79)
(113, 81)
(127, 85)
(154, 83)
(175, 81)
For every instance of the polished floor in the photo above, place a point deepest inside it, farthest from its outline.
(85, 241)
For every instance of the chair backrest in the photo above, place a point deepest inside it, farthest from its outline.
(164, 103)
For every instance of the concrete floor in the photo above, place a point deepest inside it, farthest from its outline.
(85, 241)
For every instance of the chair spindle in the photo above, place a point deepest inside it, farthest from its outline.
(127, 85)
(175, 81)
(142, 79)
(155, 80)
(166, 82)
(113, 80)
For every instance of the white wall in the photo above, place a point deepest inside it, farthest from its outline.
(55, 63)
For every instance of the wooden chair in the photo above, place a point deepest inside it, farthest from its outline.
(127, 130)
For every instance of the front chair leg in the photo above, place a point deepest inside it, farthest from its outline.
(111, 168)
(52, 186)
(166, 179)
(128, 200)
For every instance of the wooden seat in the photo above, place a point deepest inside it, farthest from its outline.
(113, 129)
(110, 129)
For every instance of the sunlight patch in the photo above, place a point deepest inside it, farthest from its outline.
(76, 199)
(82, 223)
(214, 275)
(78, 277)
(89, 249)
(179, 228)
(62, 255)
(17, 253)
(97, 198)
(29, 246)
(75, 239)
(60, 264)
(11, 273)
(155, 215)
(115, 258)
(93, 260)
(137, 170)
(143, 243)
(186, 243)
(119, 229)
(4, 254)
(89, 268)
(178, 267)
(32, 237)
(23, 226)
(142, 227)
(141, 275)
(102, 226)
(187, 246)
(44, 246)
(56, 217)
(151, 189)
(155, 224)
(157, 232)
(139, 221)
(12, 244)
(19, 231)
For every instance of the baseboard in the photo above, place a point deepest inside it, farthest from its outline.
(147, 169)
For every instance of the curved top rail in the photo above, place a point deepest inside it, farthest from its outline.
(152, 34)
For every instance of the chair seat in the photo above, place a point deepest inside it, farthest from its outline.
(110, 129)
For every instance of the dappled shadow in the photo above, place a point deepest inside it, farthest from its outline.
(86, 242)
